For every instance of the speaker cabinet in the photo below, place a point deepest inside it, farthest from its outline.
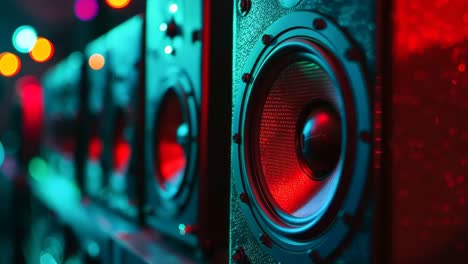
(187, 121)
(63, 113)
(97, 94)
(115, 95)
(346, 148)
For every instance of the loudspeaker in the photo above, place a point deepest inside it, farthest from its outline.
(63, 137)
(97, 92)
(187, 121)
(116, 118)
(332, 158)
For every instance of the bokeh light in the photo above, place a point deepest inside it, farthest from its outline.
(10, 64)
(86, 10)
(173, 8)
(42, 51)
(117, 4)
(24, 39)
(38, 168)
(168, 49)
(96, 61)
(163, 27)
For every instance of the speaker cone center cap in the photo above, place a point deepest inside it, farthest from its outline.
(320, 142)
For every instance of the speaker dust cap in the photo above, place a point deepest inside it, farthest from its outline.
(298, 114)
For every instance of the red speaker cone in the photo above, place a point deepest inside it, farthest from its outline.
(170, 155)
(121, 147)
(298, 139)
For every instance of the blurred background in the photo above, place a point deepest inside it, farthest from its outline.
(34, 36)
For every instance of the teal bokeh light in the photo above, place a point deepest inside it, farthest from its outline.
(24, 39)
(2, 154)
(38, 169)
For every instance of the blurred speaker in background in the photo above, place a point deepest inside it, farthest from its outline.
(116, 82)
(117, 121)
(187, 122)
(63, 135)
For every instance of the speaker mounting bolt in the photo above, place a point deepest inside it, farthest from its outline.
(236, 138)
(264, 240)
(238, 255)
(243, 6)
(246, 77)
(266, 39)
(319, 24)
(314, 255)
(365, 136)
(244, 198)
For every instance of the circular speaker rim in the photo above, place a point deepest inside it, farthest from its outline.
(171, 205)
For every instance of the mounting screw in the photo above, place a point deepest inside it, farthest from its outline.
(264, 240)
(236, 138)
(314, 255)
(319, 24)
(196, 35)
(238, 255)
(365, 136)
(244, 198)
(353, 54)
(243, 6)
(246, 77)
(266, 39)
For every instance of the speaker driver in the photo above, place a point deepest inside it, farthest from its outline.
(296, 120)
(298, 138)
(299, 162)
(170, 143)
(173, 153)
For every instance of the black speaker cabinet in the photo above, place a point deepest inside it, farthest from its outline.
(187, 121)
(62, 136)
(345, 144)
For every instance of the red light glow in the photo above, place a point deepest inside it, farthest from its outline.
(31, 96)
(95, 149)
(170, 157)
(122, 152)
(172, 160)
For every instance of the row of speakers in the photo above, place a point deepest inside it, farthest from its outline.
(287, 131)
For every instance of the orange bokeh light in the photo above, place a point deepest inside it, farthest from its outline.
(96, 61)
(42, 51)
(10, 64)
(118, 4)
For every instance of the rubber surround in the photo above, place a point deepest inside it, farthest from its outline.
(296, 239)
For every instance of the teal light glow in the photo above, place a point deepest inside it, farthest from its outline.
(38, 169)
(24, 39)
(2, 154)
(182, 229)
(173, 8)
(163, 27)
